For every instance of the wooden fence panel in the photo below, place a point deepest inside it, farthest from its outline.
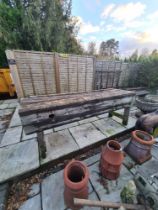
(107, 74)
(115, 74)
(43, 73)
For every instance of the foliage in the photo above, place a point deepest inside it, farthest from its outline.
(109, 48)
(128, 193)
(44, 25)
(147, 74)
(92, 48)
(134, 56)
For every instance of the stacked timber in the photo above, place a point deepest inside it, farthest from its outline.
(44, 112)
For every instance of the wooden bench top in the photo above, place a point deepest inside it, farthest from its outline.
(48, 103)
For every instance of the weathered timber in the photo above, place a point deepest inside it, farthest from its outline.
(45, 112)
(108, 204)
(41, 143)
(41, 73)
(74, 100)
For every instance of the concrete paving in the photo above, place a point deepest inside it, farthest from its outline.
(109, 127)
(3, 195)
(11, 136)
(15, 121)
(18, 159)
(86, 135)
(19, 153)
(53, 191)
(51, 194)
(32, 204)
(27, 137)
(58, 144)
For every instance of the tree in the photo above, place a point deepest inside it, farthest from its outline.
(145, 52)
(148, 73)
(44, 25)
(92, 48)
(134, 56)
(154, 52)
(109, 48)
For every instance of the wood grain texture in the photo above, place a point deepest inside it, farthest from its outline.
(43, 73)
(45, 112)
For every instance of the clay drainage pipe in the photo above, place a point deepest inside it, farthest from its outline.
(76, 177)
(111, 160)
(139, 147)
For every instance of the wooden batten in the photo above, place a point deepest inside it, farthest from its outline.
(57, 76)
(14, 73)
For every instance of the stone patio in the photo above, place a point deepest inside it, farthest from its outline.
(49, 193)
(19, 153)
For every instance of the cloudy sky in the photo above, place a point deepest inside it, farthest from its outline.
(133, 23)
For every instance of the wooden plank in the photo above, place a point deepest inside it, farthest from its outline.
(57, 78)
(60, 109)
(107, 204)
(14, 73)
(91, 97)
(72, 112)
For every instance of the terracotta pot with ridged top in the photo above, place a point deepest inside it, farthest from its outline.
(111, 160)
(76, 178)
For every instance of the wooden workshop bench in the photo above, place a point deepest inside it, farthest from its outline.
(44, 112)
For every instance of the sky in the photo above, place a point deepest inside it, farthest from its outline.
(133, 23)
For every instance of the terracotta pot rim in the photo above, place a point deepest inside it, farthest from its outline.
(110, 141)
(141, 141)
(80, 184)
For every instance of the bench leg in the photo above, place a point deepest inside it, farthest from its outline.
(126, 115)
(110, 114)
(41, 143)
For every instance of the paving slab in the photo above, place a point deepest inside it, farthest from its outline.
(53, 193)
(1, 135)
(124, 143)
(12, 105)
(4, 106)
(69, 125)
(18, 159)
(10, 101)
(7, 111)
(131, 122)
(109, 126)
(154, 151)
(3, 195)
(101, 116)
(48, 131)
(129, 162)
(27, 137)
(34, 190)
(90, 119)
(110, 190)
(92, 160)
(15, 121)
(86, 135)
(11, 136)
(32, 204)
(58, 144)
